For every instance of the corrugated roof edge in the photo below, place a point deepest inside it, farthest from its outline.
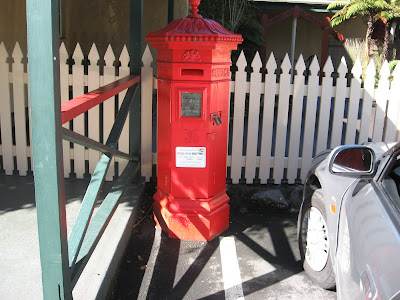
(319, 2)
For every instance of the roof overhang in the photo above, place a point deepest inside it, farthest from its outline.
(307, 5)
(310, 2)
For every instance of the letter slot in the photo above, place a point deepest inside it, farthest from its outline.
(192, 72)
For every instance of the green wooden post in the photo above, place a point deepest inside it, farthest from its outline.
(136, 15)
(170, 10)
(44, 88)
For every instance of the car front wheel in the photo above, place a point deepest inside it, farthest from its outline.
(314, 241)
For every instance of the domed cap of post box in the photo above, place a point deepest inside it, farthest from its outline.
(194, 28)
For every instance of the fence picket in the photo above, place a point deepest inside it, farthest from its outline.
(79, 121)
(354, 101)
(325, 108)
(64, 94)
(5, 114)
(268, 120)
(391, 129)
(238, 119)
(366, 111)
(340, 97)
(382, 123)
(381, 102)
(147, 99)
(19, 111)
(109, 105)
(253, 119)
(309, 127)
(295, 125)
(123, 143)
(93, 113)
(282, 120)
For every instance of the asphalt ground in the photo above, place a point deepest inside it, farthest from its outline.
(256, 258)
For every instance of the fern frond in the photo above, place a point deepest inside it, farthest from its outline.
(336, 4)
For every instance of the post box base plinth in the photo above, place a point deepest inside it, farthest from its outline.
(192, 220)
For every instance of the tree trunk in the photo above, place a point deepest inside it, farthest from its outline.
(386, 41)
(368, 37)
(368, 41)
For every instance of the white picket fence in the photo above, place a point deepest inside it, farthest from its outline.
(14, 110)
(277, 126)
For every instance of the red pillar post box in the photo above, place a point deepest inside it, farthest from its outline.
(194, 58)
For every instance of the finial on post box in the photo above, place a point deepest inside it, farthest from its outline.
(194, 4)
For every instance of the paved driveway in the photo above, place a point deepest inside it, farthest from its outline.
(256, 258)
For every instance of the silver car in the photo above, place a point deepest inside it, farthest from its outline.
(349, 222)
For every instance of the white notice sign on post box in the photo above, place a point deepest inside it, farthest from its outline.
(190, 157)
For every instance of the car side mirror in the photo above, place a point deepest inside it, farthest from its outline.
(353, 161)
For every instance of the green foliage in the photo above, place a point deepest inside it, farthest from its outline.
(239, 16)
(387, 9)
(215, 10)
(373, 10)
(392, 11)
(393, 64)
(355, 8)
(335, 5)
(252, 31)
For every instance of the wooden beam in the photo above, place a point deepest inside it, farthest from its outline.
(102, 217)
(136, 43)
(293, 45)
(264, 23)
(296, 11)
(325, 44)
(136, 35)
(89, 200)
(170, 10)
(81, 104)
(280, 17)
(44, 91)
(309, 17)
(82, 140)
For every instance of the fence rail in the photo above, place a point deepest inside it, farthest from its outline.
(86, 74)
(277, 124)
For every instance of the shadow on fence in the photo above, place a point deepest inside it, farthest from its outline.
(277, 124)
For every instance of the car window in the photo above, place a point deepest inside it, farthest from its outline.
(391, 182)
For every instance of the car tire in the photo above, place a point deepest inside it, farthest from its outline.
(314, 242)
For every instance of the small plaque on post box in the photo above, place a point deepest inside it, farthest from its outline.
(190, 157)
(191, 104)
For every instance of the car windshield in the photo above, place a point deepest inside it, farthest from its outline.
(391, 182)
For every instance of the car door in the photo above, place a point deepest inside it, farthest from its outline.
(368, 252)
